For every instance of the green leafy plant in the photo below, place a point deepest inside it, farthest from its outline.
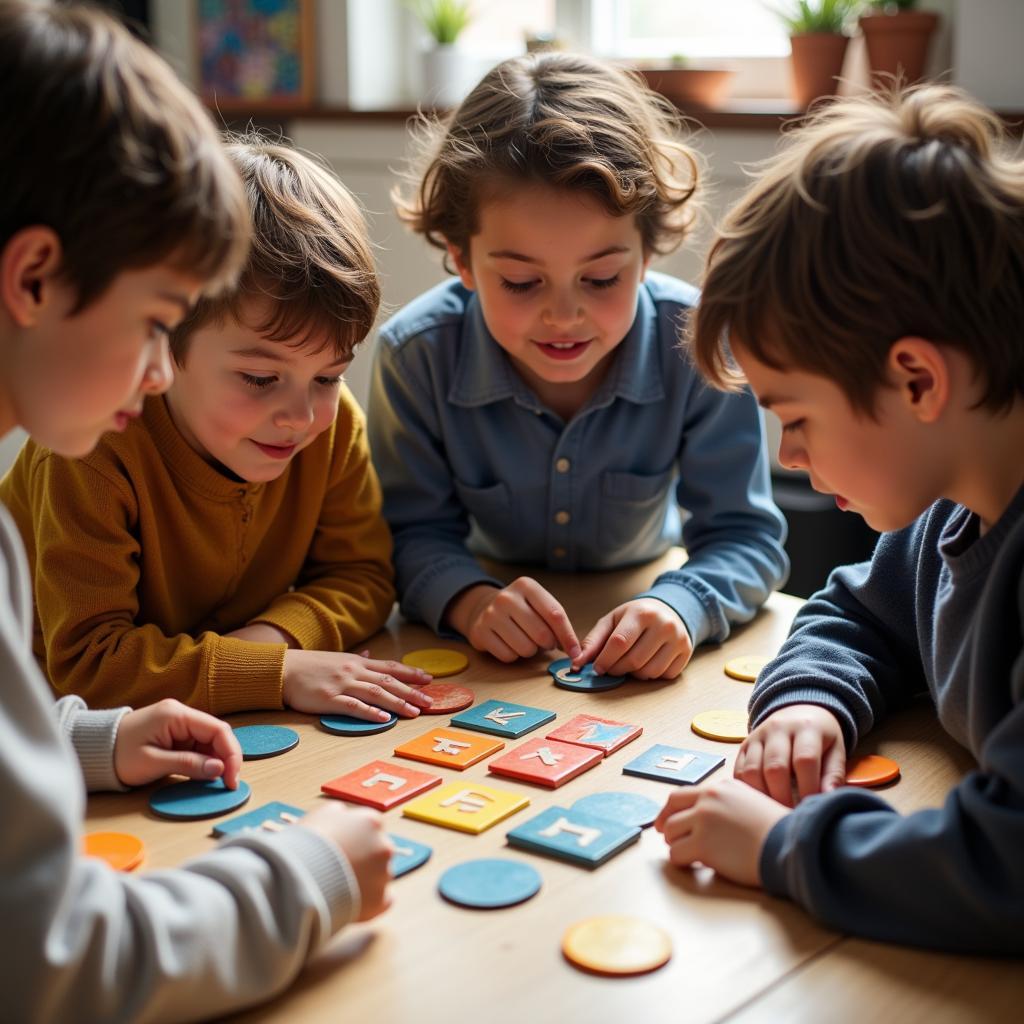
(443, 19)
(892, 6)
(802, 17)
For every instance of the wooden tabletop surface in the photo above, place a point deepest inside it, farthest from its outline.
(738, 955)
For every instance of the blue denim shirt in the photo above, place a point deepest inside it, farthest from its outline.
(472, 462)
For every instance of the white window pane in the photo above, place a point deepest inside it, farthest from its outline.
(499, 27)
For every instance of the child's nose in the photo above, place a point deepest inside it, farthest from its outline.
(792, 456)
(296, 414)
(159, 371)
(564, 310)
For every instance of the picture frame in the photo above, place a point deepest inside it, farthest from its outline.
(255, 53)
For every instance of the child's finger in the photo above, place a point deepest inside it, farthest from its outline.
(216, 737)
(645, 648)
(777, 766)
(404, 673)
(594, 642)
(349, 704)
(807, 762)
(494, 645)
(678, 801)
(508, 630)
(616, 647)
(554, 616)
(749, 765)
(187, 762)
(833, 768)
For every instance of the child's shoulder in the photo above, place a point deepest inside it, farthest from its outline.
(441, 308)
(664, 289)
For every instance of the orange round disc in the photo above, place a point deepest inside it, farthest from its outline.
(447, 697)
(123, 852)
(871, 770)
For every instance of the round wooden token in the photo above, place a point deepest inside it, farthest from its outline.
(489, 883)
(616, 944)
(746, 668)
(727, 725)
(346, 725)
(583, 681)
(447, 697)
(626, 808)
(195, 799)
(438, 661)
(122, 851)
(259, 741)
(871, 770)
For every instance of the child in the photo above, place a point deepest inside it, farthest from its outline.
(112, 220)
(234, 533)
(872, 285)
(537, 410)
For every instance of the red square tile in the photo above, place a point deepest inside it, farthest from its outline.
(381, 785)
(545, 762)
(604, 734)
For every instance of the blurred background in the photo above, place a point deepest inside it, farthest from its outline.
(342, 78)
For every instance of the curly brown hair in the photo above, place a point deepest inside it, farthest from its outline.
(564, 120)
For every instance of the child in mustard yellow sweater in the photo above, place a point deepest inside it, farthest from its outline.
(228, 542)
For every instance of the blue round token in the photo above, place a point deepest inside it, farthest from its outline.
(189, 801)
(489, 883)
(583, 681)
(625, 808)
(408, 855)
(265, 740)
(346, 725)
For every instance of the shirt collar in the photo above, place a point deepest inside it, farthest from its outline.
(484, 373)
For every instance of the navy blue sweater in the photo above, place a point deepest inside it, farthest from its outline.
(938, 609)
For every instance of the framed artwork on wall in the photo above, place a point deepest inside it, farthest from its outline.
(255, 53)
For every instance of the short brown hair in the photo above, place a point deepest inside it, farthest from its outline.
(558, 119)
(103, 144)
(311, 255)
(885, 217)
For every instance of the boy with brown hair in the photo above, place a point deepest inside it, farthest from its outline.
(234, 537)
(870, 288)
(106, 239)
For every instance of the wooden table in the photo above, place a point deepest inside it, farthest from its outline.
(739, 955)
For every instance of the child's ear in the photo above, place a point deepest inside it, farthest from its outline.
(460, 261)
(29, 264)
(921, 372)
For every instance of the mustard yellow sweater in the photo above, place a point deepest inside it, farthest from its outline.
(142, 555)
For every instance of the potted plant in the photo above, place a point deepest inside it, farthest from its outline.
(443, 65)
(818, 43)
(897, 39)
(688, 85)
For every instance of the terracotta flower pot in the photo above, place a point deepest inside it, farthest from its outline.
(816, 62)
(685, 87)
(897, 44)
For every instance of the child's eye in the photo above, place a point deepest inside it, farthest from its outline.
(603, 282)
(259, 383)
(158, 330)
(517, 287)
(330, 382)
(790, 427)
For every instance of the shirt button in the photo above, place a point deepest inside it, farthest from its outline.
(562, 465)
(559, 552)
(562, 517)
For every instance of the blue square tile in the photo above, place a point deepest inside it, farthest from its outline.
(253, 820)
(500, 718)
(573, 836)
(674, 764)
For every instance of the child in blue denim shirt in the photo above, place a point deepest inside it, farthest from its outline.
(537, 408)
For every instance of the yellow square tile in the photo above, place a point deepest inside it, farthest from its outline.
(466, 806)
(450, 747)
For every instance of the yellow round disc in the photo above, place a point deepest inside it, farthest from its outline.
(438, 661)
(746, 668)
(729, 726)
(616, 944)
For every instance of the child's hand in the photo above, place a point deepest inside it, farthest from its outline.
(802, 742)
(723, 825)
(512, 623)
(643, 638)
(171, 738)
(325, 683)
(359, 834)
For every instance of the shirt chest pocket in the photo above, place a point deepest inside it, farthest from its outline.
(632, 509)
(491, 507)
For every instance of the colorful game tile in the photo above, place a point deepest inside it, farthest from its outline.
(446, 698)
(408, 855)
(489, 883)
(259, 741)
(604, 734)
(466, 806)
(272, 817)
(871, 770)
(438, 661)
(121, 850)
(674, 764)
(583, 681)
(625, 808)
(195, 799)
(546, 762)
(449, 747)
(347, 725)
(381, 785)
(727, 725)
(616, 945)
(747, 667)
(503, 719)
(574, 836)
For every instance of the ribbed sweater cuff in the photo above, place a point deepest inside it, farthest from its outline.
(245, 676)
(303, 625)
(93, 734)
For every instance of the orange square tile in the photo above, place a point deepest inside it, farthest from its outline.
(450, 747)
(381, 785)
